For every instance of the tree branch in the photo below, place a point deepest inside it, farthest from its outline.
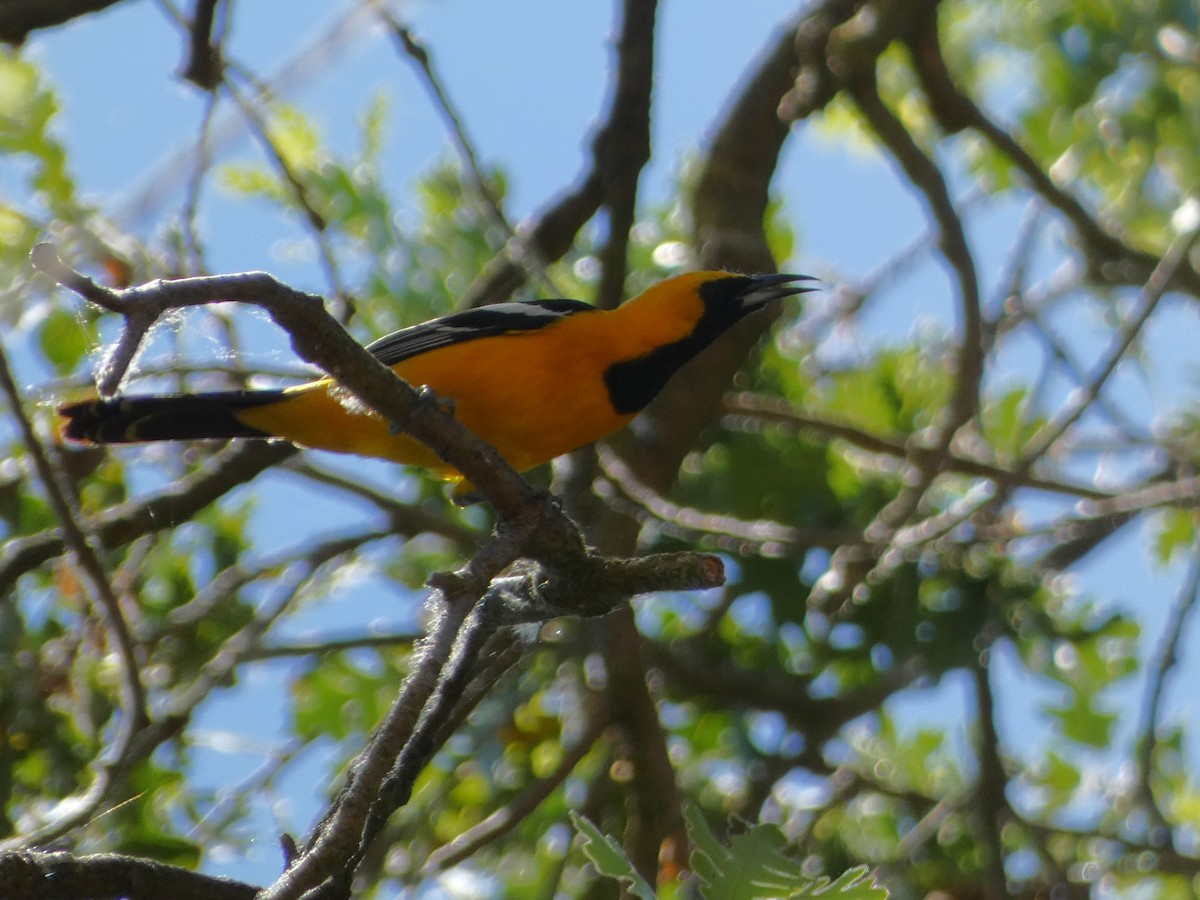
(622, 148)
(518, 249)
(773, 409)
(989, 798)
(925, 176)
(338, 843)
(551, 233)
(100, 589)
(32, 875)
(165, 509)
(203, 67)
(318, 339)
(1152, 292)
(1109, 257)
(505, 819)
(19, 17)
(1167, 658)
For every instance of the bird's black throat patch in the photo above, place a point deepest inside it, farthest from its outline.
(633, 383)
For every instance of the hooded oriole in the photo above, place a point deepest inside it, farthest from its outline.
(534, 379)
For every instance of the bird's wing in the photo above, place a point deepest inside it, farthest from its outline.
(472, 324)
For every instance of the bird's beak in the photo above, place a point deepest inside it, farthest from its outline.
(764, 289)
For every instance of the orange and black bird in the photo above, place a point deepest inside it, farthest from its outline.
(535, 379)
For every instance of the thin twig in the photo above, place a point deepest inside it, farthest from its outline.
(774, 409)
(1061, 354)
(284, 592)
(1167, 657)
(211, 826)
(517, 247)
(134, 713)
(331, 645)
(408, 519)
(160, 185)
(1154, 493)
(318, 226)
(1110, 258)
(133, 519)
(178, 710)
(95, 576)
(508, 817)
(730, 533)
(1152, 292)
(191, 202)
(925, 176)
(226, 584)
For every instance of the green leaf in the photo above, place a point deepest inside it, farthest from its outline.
(1083, 723)
(753, 867)
(1174, 531)
(338, 698)
(609, 859)
(1060, 778)
(27, 111)
(374, 120)
(64, 340)
(1005, 424)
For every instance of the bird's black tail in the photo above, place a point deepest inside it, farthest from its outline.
(165, 417)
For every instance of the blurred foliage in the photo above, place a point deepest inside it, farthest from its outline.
(816, 739)
(1106, 97)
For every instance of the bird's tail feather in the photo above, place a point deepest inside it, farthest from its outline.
(165, 417)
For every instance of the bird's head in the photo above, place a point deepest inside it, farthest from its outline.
(669, 323)
(727, 294)
(704, 304)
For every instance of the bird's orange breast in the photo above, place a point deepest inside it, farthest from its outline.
(531, 395)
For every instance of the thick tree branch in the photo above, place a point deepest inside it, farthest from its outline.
(19, 17)
(337, 843)
(989, 798)
(622, 148)
(550, 234)
(203, 67)
(31, 875)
